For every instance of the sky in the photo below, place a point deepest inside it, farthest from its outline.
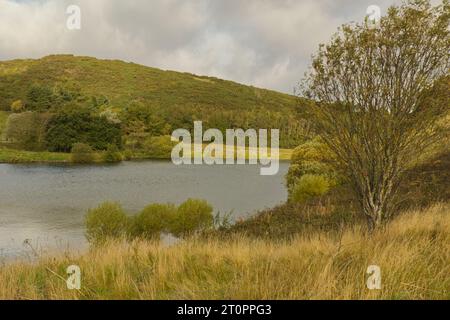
(264, 43)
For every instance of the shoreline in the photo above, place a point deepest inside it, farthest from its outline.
(13, 156)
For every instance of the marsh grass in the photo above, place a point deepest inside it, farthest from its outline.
(413, 253)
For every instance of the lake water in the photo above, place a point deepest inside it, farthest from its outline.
(46, 204)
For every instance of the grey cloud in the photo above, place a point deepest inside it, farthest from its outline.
(266, 43)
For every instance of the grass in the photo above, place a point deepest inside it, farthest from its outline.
(3, 117)
(412, 252)
(8, 155)
(284, 154)
(20, 156)
(122, 82)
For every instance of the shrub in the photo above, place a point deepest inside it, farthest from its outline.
(152, 221)
(82, 153)
(312, 158)
(159, 147)
(17, 106)
(128, 155)
(192, 216)
(309, 186)
(112, 154)
(107, 221)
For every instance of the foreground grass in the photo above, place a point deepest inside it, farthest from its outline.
(413, 254)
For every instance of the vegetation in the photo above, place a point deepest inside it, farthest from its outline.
(112, 154)
(109, 221)
(20, 156)
(153, 221)
(192, 216)
(309, 186)
(3, 118)
(379, 95)
(82, 153)
(311, 158)
(17, 106)
(67, 128)
(316, 265)
(380, 98)
(26, 130)
(144, 102)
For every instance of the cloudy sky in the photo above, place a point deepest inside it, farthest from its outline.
(265, 43)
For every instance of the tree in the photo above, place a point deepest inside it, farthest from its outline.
(39, 98)
(79, 125)
(27, 130)
(372, 89)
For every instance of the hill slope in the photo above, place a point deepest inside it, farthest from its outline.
(169, 98)
(122, 82)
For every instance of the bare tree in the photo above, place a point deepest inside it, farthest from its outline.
(372, 88)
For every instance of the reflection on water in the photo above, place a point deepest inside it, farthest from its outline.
(47, 203)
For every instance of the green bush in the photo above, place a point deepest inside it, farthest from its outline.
(107, 221)
(313, 158)
(82, 153)
(112, 154)
(159, 147)
(128, 155)
(192, 216)
(152, 221)
(17, 106)
(309, 186)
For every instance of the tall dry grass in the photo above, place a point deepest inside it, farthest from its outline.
(413, 253)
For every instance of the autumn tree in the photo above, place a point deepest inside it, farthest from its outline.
(372, 88)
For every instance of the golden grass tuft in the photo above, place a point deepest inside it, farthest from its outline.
(413, 253)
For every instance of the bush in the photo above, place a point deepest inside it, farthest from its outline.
(152, 221)
(17, 106)
(82, 153)
(107, 221)
(128, 155)
(309, 186)
(313, 158)
(112, 154)
(159, 147)
(192, 216)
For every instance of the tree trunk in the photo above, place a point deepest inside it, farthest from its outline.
(374, 215)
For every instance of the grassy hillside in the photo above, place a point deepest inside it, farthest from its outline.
(412, 253)
(122, 82)
(146, 102)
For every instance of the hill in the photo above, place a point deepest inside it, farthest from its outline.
(122, 82)
(175, 99)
